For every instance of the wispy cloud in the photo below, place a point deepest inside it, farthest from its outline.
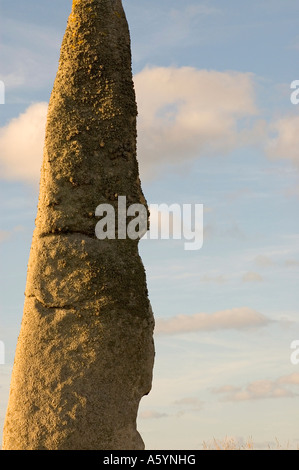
(260, 389)
(152, 414)
(220, 279)
(291, 379)
(30, 55)
(4, 235)
(192, 14)
(291, 263)
(176, 25)
(188, 405)
(236, 318)
(189, 401)
(13, 79)
(7, 234)
(252, 276)
(263, 261)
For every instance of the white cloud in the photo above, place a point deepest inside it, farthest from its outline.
(185, 113)
(21, 145)
(285, 142)
(236, 318)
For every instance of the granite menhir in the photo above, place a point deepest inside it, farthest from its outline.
(85, 352)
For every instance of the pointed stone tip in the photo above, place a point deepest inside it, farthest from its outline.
(93, 9)
(86, 3)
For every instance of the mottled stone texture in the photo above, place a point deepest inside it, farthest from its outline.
(85, 352)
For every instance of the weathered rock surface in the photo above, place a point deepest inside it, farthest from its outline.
(85, 353)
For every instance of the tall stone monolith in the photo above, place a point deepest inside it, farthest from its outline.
(85, 353)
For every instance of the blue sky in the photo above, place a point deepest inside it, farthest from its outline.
(216, 127)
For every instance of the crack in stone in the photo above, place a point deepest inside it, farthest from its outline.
(54, 307)
(66, 233)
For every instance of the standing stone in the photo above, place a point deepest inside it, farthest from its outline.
(85, 353)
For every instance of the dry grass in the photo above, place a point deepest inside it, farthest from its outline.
(230, 443)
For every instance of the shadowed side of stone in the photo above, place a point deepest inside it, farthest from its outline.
(85, 353)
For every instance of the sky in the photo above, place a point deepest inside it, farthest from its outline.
(216, 127)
